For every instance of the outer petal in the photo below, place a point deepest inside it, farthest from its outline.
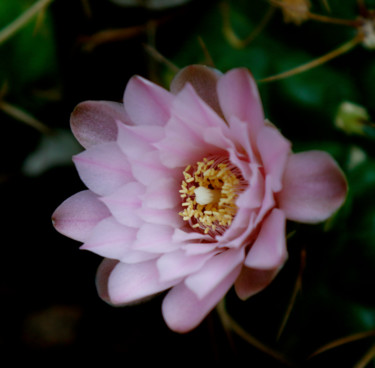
(129, 283)
(269, 249)
(103, 168)
(214, 272)
(274, 150)
(124, 202)
(147, 103)
(79, 214)
(183, 310)
(110, 239)
(178, 264)
(94, 122)
(203, 79)
(102, 275)
(238, 96)
(314, 187)
(251, 281)
(136, 140)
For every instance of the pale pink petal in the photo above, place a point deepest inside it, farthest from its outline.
(204, 81)
(314, 187)
(274, 150)
(188, 235)
(147, 103)
(203, 282)
(104, 270)
(130, 283)
(94, 122)
(251, 281)
(269, 249)
(110, 239)
(136, 140)
(103, 168)
(124, 202)
(239, 97)
(183, 310)
(163, 194)
(192, 249)
(155, 238)
(161, 217)
(183, 144)
(147, 168)
(189, 107)
(79, 214)
(268, 200)
(177, 264)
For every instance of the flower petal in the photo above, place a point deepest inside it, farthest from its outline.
(147, 168)
(147, 103)
(94, 122)
(203, 282)
(155, 238)
(274, 150)
(110, 239)
(135, 140)
(130, 283)
(314, 187)
(251, 281)
(163, 194)
(103, 168)
(204, 81)
(239, 97)
(269, 249)
(177, 264)
(124, 202)
(104, 270)
(183, 310)
(79, 214)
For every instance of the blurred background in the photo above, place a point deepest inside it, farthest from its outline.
(62, 52)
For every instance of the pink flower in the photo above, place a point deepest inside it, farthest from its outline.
(190, 190)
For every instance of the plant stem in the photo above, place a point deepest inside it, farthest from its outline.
(22, 20)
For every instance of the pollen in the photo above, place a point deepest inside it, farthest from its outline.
(209, 190)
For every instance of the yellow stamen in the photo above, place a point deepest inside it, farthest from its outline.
(210, 191)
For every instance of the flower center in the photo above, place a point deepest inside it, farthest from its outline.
(209, 192)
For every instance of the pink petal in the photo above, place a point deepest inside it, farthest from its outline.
(163, 194)
(274, 150)
(204, 81)
(110, 239)
(160, 217)
(177, 264)
(103, 168)
(251, 281)
(189, 107)
(79, 214)
(155, 238)
(214, 272)
(269, 249)
(314, 187)
(124, 202)
(135, 140)
(239, 97)
(130, 283)
(104, 270)
(183, 310)
(147, 103)
(94, 122)
(147, 168)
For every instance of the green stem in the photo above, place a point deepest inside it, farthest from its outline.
(22, 20)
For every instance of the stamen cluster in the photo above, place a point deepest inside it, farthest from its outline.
(213, 208)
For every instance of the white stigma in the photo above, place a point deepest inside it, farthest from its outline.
(205, 196)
